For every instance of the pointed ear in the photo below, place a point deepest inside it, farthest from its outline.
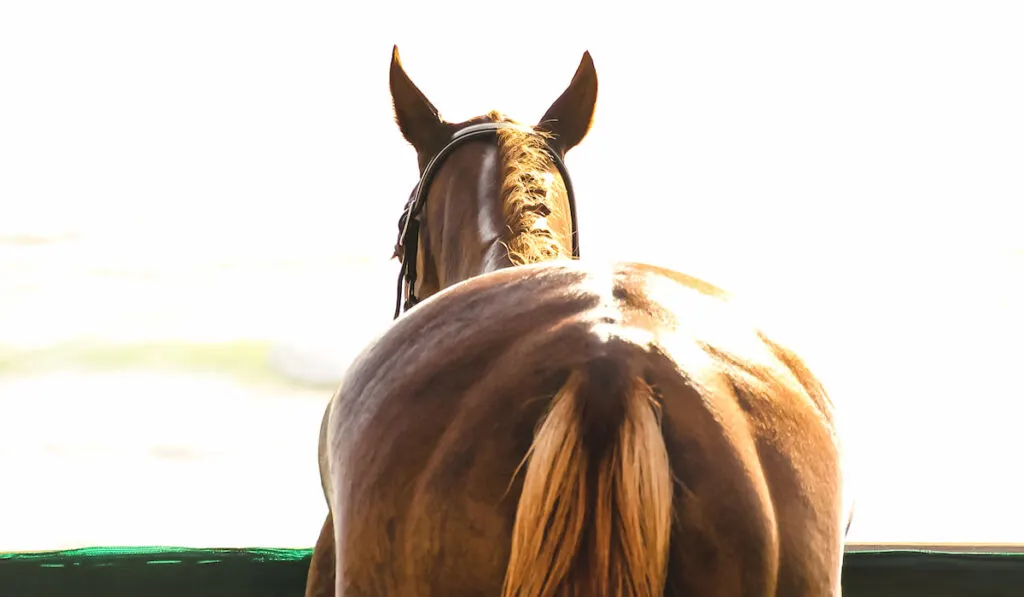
(417, 118)
(569, 118)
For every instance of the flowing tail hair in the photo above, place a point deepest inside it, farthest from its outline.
(595, 513)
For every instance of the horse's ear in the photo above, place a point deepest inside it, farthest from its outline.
(569, 118)
(417, 118)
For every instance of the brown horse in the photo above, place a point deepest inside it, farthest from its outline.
(558, 428)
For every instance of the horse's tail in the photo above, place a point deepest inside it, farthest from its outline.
(596, 508)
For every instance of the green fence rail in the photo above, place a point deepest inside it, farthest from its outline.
(180, 572)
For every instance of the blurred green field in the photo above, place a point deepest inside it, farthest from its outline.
(242, 360)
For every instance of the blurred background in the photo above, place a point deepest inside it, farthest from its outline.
(198, 201)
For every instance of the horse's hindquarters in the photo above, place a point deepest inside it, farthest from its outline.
(433, 422)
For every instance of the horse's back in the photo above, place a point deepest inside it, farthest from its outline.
(433, 420)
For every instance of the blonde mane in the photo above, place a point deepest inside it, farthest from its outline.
(529, 192)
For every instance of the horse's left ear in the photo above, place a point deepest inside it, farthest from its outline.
(418, 119)
(569, 118)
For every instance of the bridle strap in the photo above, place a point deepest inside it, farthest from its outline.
(408, 238)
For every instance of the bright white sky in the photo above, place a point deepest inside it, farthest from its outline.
(723, 128)
(867, 155)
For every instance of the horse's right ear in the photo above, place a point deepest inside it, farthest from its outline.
(417, 118)
(569, 118)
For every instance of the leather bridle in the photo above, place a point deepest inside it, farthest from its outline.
(409, 225)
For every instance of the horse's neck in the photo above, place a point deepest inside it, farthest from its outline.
(469, 252)
(476, 224)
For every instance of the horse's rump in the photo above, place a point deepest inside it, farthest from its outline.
(671, 445)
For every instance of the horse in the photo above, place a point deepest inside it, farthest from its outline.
(531, 424)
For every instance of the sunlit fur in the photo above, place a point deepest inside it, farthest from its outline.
(531, 189)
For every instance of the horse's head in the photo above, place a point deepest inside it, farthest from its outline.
(492, 192)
